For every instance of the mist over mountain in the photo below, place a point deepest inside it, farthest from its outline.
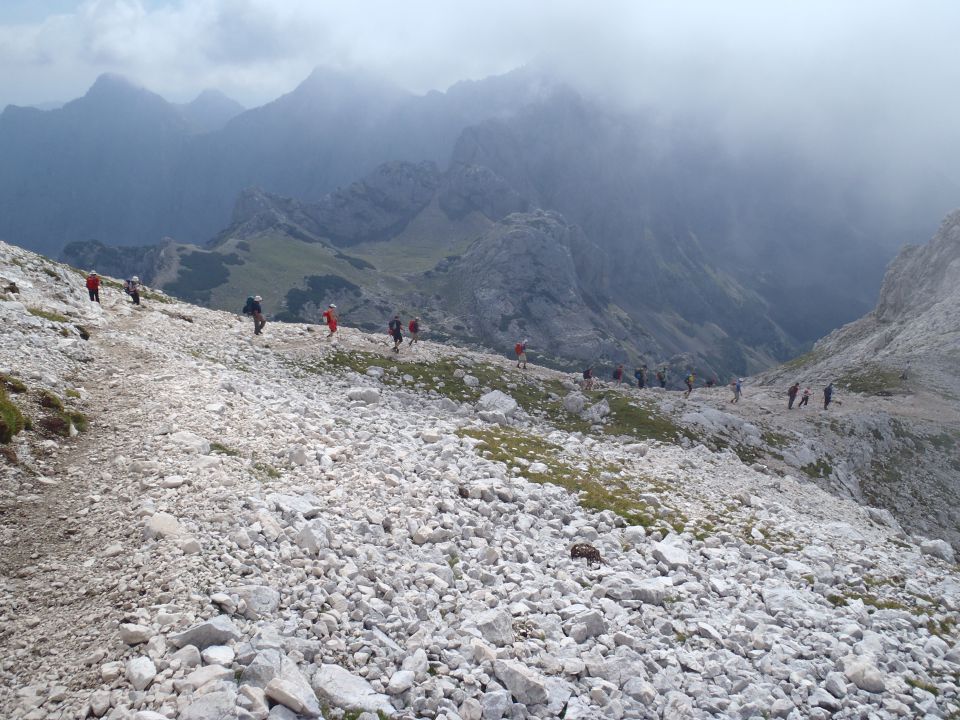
(737, 254)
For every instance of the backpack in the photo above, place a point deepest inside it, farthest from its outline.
(413, 327)
(248, 308)
(518, 348)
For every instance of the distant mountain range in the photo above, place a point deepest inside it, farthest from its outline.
(673, 247)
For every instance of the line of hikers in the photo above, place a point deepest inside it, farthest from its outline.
(794, 391)
(254, 308)
(131, 287)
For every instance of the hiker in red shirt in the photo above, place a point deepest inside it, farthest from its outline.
(330, 315)
(521, 350)
(414, 328)
(93, 286)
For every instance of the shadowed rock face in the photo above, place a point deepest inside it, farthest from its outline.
(520, 280)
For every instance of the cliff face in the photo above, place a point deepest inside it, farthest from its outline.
(897, 372)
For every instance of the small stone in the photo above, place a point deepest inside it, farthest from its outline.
(218, 655)
(216, 631)
(133, 634)
(400, 682)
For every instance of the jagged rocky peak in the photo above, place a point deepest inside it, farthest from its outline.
(922, 276)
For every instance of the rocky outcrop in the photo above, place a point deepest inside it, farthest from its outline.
(520, 280)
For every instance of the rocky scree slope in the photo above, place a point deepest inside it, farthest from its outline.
(280, 527)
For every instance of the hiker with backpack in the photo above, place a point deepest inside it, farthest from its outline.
(588, 378)
(792, 395)
(805, 398)
(520, 349)
(256, 310)
(414, 329)
(395, 328)
(618, 374)
(641, 375)
(662, 377)
(737, 390)
(93, 286)
(690, 380)
(331, 318)
(132, 288)
(827, 396)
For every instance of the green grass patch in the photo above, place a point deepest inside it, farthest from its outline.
(921, 685)
(71, 393)
(12, 384)
(635, 418)
(269, 470)
(12, 420)
(50, 401)
(48, 315)
(597, 486)
(872, 381)
(808, 358)
(819, 469)
(221, 449)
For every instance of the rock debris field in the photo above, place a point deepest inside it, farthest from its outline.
(223, 526)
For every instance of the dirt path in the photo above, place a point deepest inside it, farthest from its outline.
(60, 592)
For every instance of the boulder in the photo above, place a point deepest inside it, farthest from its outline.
(190, 442)
(939, 549)
(261, 601)
(162, 525)
(295, 694)
(865, 675)
(339, 687)
(314, 536)
(140, 672)
(496, 627)
(497, 401)
(216, 631)
(574, 403)
(671, 554)
(526, 685)
(368, 395)
(596, 412)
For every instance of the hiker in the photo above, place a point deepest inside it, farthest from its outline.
(588, 378)
(662, 377)
(520, 349)
(132, 288)
(248, 306)
(330, 316)
(691, 379)
(414, 329)
(257, 311)
(737, 390)
(827, 395)
(792, 395)
(641, 375)
(805, 398)
(396, 332)
(618, 374)
(93, 286)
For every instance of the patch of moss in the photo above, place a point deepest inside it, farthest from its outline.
(12, 384)
(222, 449)
(268, 470)
(635, 418)
(12, 420)
(819, 469)
(874, 380)
(921, 685)
(518, 449)
(71, 393)
(48, 315)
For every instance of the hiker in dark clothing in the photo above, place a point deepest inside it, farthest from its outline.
(792, 395)
(618, 374)
(805, 397)
(588, 379)
(662, 377)
(827, 396)
(93, 286)
(257, 311)
(641, 375)
(396, 332)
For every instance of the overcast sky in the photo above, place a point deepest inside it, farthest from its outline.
(876, 77)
